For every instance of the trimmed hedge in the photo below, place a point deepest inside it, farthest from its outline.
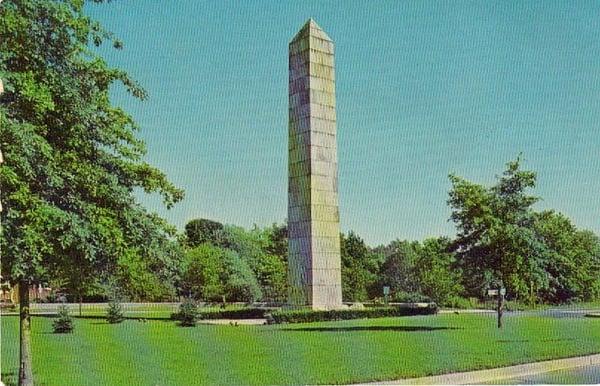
(242, 313)
(308, 316)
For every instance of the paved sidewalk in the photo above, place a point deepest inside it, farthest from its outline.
(501, 373)
(585, 375)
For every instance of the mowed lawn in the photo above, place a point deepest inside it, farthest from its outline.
(161, 353)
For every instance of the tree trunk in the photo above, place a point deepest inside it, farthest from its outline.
(80, 301)
(25, 366)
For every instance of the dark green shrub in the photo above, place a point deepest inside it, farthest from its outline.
(308, 316)
(241, 313)
(188, 313)
(64, 323)
(114, 314)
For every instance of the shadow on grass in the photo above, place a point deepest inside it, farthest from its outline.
(533, 340)
(371, 328)
(134, 318)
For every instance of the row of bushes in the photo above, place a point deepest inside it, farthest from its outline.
(241, 313)
(308, 316)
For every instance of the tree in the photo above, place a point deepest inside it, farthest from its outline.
(213, 273)
(264, 253)
(398, 269)
(201, 278)
(573, 266)
(495, 239)
(359, 268)
(64, 323)
(435, 267)
(72, 159)
(278, 236)
(240, 283)
(114, 313)
(188, 313)
(202, 230)
(271, 273)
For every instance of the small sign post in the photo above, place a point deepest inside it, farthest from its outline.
(386, 292)
(499, 292)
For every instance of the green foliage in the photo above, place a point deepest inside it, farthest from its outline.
(260, 249)
(398, 268)
(417, 272)
(573, 263)
(263, 250)
(271, 274)
(359, 268)
(495, 238)
(461, 303)
(115, 314)
(149, 279)
(215, 274)
(310, 316)
(202, 230)
(240, 283)
(236, 313)
(409, 297)
(398, 345)
(278, 236)
(188, 313)
(201, 278)
(72, 158)
(437, 273)
(539, 256)
(241, 313)
(64, 323)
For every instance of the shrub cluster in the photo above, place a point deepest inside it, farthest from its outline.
(308, 316)
(241, 313)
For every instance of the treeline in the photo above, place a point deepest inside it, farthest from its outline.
(501, 240)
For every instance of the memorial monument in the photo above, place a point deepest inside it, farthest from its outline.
(314, 264)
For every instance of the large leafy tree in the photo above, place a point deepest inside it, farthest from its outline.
(573, 266)
(72, 158)
(496, 241)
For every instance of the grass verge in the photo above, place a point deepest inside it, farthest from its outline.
(160, 353)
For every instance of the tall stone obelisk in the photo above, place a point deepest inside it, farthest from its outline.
(314, 263)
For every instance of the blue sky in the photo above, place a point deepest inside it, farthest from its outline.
(424, 89)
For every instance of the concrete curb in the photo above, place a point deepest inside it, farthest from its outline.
(491, 375)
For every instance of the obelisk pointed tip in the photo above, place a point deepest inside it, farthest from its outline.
(311, 28)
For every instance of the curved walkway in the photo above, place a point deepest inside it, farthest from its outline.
(501, 373)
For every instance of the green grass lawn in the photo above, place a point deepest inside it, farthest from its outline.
(161, 353)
